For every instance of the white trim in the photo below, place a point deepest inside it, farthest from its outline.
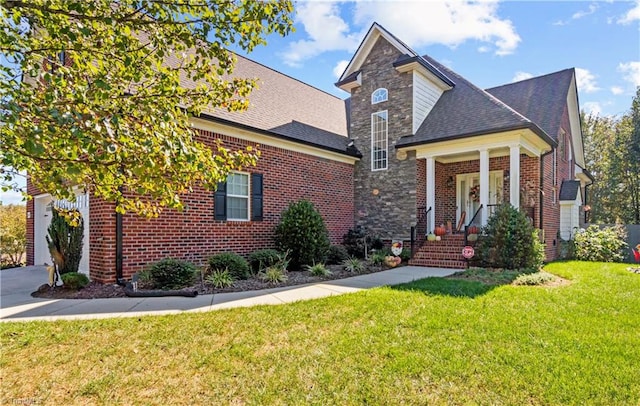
(247, 197)
(431, 191)
(375, 32)
(484, 185)
(262, 139)
(386, 95)
(385, 141)
(574, 122)
(466, 149)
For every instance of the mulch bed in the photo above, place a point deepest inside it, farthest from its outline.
(97, 290)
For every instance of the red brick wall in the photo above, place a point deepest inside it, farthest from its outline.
(194, 235)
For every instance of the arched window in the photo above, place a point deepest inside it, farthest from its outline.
(379, 95)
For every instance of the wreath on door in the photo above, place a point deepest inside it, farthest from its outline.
(474, 193)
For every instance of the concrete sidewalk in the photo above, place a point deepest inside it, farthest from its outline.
(16, 303)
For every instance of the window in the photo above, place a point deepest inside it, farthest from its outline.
(379, 95)
(379, 141)
(239, 198)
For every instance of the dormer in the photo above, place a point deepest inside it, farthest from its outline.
(428, 82)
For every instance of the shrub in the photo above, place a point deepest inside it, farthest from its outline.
(377, 258)
(172, 273)
(336, 254)
(302, 232)
(274, 274)
(533, 279)
(74, 280)
(318, 270)
(237, 266)
(405, 255)
(220, 278)
(354, 241)
(510, 241)
(605, 244)
(65, 239)
(353, 265)
(261, 259)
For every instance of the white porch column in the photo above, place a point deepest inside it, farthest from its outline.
(514, 173)
(431, 192)
(484, 185)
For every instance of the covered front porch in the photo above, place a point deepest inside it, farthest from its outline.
(461, 181)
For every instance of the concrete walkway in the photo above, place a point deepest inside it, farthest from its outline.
(16, 303)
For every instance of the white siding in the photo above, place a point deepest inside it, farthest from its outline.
(425, 96)
(569, 218)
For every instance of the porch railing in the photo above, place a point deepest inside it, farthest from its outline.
(467, 226)
(419, 231)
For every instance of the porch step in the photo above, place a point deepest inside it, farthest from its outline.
(446, 253)
(439, 263)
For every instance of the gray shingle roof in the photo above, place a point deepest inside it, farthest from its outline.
(541, 99)
(287, 108)
(569, 190)
(465, 111)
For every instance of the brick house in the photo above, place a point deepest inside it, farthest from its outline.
(415, 145)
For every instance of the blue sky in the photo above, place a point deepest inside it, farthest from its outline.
(490, 43)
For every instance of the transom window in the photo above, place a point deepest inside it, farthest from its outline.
(379, 140)
(238, 196)
(379, 95)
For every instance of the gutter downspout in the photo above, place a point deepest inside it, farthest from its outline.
(119, 280)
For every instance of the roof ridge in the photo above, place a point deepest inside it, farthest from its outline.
(477, 89)
(532, 78)
(285, 75)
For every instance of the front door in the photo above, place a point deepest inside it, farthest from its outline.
(468, 194)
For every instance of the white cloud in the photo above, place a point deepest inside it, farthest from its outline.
(631, 72)
(583, 13)
(448, 23)
(521, 76)
(326, 30)
(593, 108)
(586, 81)
(484, 49)
(339, 68)
(632, 15)
(578, 15)
(617, 90)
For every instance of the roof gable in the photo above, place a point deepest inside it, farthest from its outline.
(376, 31)
(569, 190)
(467, 110)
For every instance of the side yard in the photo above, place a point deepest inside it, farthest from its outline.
(434, 341)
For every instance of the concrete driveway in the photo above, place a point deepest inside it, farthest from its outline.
(16, 284)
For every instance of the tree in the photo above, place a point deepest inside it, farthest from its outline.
(65, 240)
(95, 93)
(612, 154)
(13, 237)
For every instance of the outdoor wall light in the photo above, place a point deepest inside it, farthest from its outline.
(450, 182)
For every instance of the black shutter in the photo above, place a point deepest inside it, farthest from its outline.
(220, 201)
(256, 197)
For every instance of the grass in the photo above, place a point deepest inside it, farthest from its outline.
(435, 341)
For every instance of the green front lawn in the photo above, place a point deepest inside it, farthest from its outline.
(436, 341)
